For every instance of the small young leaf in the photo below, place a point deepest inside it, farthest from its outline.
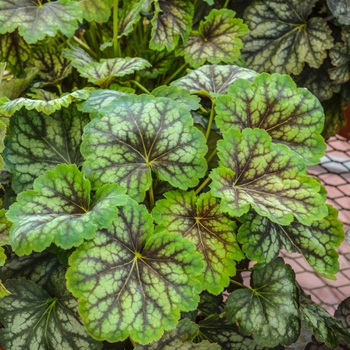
(96, 10)
(219, 330)
(130, 14)
(35, 21)
(291, 115)
(217, 39)
(179, 95)
(103, 73)
(325, 327)
(59, 210)
(138, 135)
(340, 55)
(262, 240)
(44, 106)
(282, 38)
(201, 221)
(132, 281)
(214, 79)
(269, 310)
(38, 142)
(172, 18)
(46, 322)
(269, 177)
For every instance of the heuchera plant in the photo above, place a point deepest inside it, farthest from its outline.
(136, 193)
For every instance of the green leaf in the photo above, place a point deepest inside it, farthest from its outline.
(130, 14)
(60, 210)
(282, 37)
(99, 99)
(291, 115)
(14, 87)
(342, 313)
(2, 146)
(141, 135)
(8, 108)
(103, 73)
(334, 111)
(35, 21)
(268, 177)
(48, 57)
(162, 62)
(340, 10)
(38, 142)
(201, 221)
(96, 10)
(218, 329)
(340, 55)
(182, 96)
(3, 291)
(36, 267)
(217, 39)
(46, 322)
(317, 81)
(79, 57)
(269, 310)
(209, 303)
(325, 327)
(213, 79)
(262, 240)
(132, 281)
(5, 227)
(172, 19)
(177, 338)
(14, 51)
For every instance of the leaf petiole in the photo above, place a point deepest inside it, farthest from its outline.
(167, 81)
(211, 118)
(115, 29)
(140, 86)
(203, 184)
(240, 284)
(151, 198)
